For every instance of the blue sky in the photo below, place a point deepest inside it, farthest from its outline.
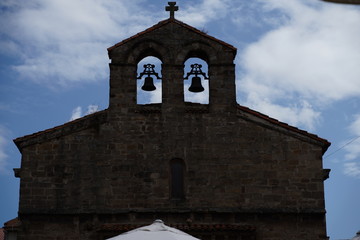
(298, 61)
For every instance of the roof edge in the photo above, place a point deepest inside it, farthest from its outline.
(323, 142)
(167, 21)
(12, 224)
(66, 128)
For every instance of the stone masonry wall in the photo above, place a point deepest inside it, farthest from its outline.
(114, 166)
(229, 164)
(123, 166)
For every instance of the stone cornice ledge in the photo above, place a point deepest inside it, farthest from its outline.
(181, 210)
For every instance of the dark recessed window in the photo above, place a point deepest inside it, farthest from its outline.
(177, 168)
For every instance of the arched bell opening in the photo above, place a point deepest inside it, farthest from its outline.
(196, 83)
(149, 85)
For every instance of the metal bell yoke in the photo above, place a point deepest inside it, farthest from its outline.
(149, 81)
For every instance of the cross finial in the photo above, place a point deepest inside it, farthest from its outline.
(172, 8)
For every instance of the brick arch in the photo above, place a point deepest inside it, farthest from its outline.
(147, 48)
(197, 50)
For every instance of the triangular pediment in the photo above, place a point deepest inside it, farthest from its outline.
(184, 32)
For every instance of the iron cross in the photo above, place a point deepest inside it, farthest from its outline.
(171, 8)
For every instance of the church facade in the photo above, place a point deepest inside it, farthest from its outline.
(217, 171)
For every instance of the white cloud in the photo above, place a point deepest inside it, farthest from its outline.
(313, 54)
(78, 112)
(301, 113)
(351, 160)
(148, 97)
(352, 169)
(92, 109)
(200, 97)
(353, 146)
(204, 12)
(245, 15)
(355, 125)
(311, 51)
(156, 96)
(65, 41)
(3, 155)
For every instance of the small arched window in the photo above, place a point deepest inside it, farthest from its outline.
(177, 169)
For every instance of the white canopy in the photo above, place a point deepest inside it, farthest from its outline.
(156, 231)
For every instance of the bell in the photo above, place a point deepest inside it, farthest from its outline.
(196, 85)
(148, 84)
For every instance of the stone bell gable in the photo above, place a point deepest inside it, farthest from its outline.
(173, 42)
(216, 170)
